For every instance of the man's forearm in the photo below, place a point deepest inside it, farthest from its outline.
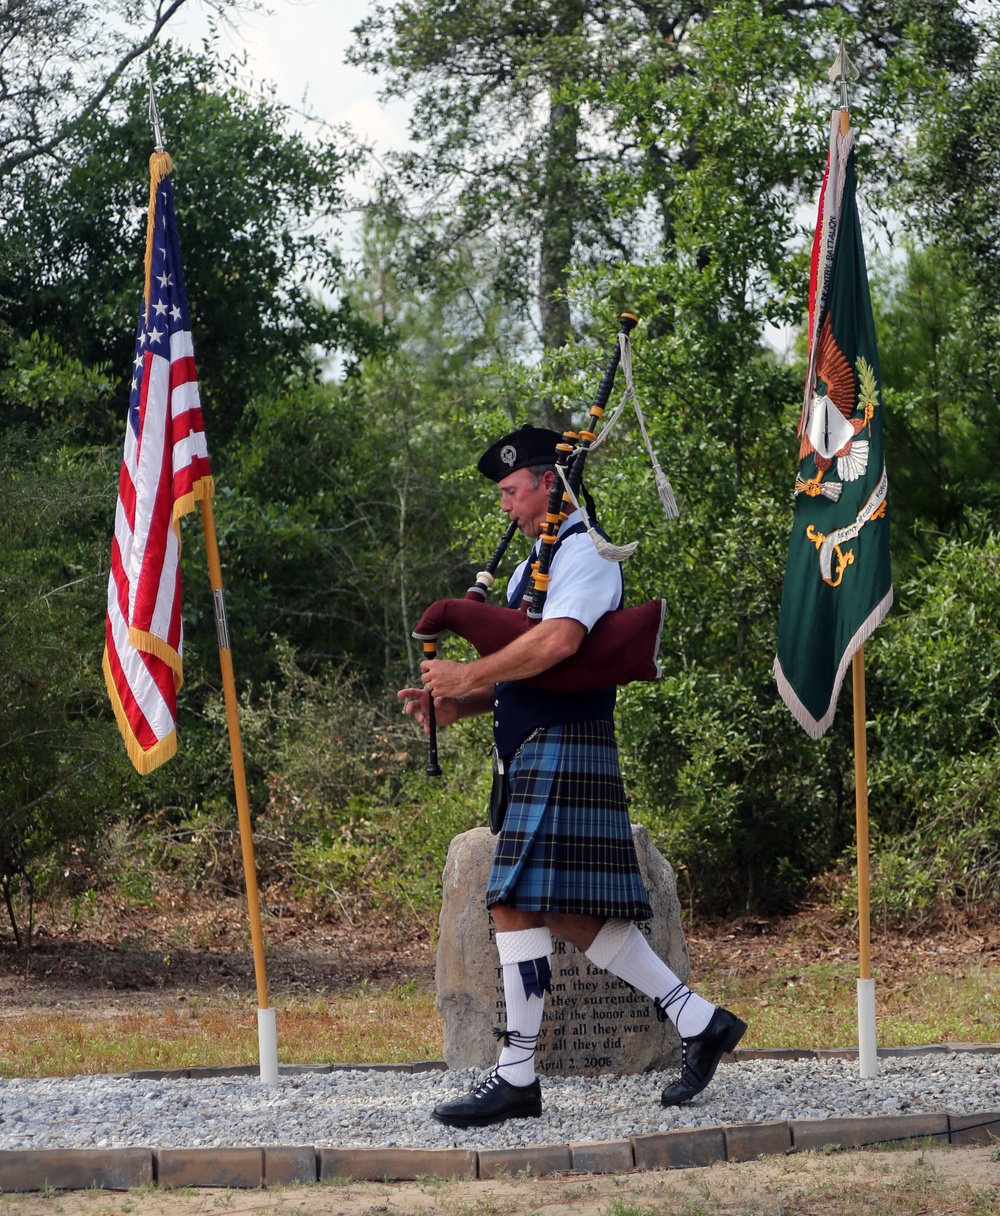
(480, 701)
(542, 647)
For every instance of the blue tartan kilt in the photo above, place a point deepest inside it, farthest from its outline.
(566, 843)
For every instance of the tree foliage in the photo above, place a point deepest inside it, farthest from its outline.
(571, 133)
(941, 413)
(58, 775)
(59, 61)
(951, 197)
(576, 160)
(255, 202)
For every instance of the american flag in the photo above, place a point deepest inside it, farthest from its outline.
(164, 472)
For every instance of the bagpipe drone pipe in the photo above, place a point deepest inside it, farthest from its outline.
(621, 648)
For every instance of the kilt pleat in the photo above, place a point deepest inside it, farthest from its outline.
(566, 843)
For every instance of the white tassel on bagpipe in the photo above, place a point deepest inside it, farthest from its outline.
(612, 553)
(664, 489)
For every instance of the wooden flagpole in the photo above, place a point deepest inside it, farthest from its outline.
(266, 1030)
(867, 1050)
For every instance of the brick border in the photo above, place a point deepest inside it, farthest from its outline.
(123, 1169)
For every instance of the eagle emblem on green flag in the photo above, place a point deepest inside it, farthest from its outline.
(838, 578)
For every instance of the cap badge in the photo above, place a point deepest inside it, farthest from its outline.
(508, 454)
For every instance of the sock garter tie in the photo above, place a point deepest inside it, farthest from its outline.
(519, 1042)
(536, 976)
(681, 993)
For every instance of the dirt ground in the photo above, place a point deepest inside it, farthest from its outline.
(196, 946)
(193, 946)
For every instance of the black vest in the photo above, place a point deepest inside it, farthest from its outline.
(519, 709)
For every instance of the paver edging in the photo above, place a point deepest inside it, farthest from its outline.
(749, 1141)
(290, 1164)
(75, 1169)
(976, 1129)
(395, 1164)
(684, 1148)
(601, 1156)
(535, 1159)
(864, 1131)
(236, 1168)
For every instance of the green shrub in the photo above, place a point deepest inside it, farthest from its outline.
(934, 726)
(344, 817)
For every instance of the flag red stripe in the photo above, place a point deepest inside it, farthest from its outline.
(815, 256)
(138, 724)
(161, 672)
(162, 677)
(158, 538)
(182, 371)
(126, 494)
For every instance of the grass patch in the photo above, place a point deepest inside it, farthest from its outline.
(795, 985)
(813, 1006)
(817, 1005)
(388, 1027)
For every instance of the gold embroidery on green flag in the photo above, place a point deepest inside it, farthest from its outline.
(828, 545)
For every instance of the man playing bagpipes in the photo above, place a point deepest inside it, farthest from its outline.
(565, 862)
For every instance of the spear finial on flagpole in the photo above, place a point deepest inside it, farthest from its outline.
(843, 68)
(154, 118)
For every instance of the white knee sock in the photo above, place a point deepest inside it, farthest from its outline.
(523, 989)
(620, 948)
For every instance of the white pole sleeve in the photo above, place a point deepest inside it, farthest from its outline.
(267, 1039)
(867, 1051)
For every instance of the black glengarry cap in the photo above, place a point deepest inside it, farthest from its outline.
(521, 449)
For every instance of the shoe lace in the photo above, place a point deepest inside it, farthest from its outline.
(679, 994)
(488, 1083)
(514, 1038)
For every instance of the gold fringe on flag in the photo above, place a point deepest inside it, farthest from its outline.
(160, 165)
(144, 762)
(203, 488)
(149, 643)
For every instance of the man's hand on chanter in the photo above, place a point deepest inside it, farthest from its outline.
(448, 679)
(416, 703)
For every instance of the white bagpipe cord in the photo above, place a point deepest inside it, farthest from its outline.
(621, 553)
(663, 486)
(613, 553)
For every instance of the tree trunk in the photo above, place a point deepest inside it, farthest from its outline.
(560, 202)
(558, 226)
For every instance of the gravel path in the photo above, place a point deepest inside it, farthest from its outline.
(392, 1109)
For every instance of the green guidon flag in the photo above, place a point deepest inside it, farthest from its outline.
(838, 582)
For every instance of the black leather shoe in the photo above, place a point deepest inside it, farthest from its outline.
(492, 1101)
(700, 1056)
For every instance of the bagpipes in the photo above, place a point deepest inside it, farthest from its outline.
(623, 646)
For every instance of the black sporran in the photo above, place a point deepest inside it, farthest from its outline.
(498, 792)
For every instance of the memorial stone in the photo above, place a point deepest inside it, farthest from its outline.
(593, 1021)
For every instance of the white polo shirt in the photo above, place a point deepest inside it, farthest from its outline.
(582, 584)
